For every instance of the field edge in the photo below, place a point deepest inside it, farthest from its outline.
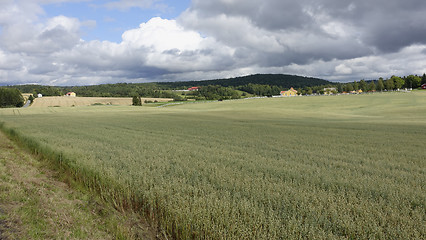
(107, 190)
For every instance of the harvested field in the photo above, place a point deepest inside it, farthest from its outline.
(87, 101)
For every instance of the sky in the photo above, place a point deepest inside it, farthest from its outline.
(86, 42)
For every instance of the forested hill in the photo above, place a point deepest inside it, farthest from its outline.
(279, 80)
(260, 84)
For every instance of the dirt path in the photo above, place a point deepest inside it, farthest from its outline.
(34, 204)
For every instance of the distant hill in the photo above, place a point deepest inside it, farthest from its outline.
(279, 80)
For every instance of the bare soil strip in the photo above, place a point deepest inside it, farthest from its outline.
(34, 204)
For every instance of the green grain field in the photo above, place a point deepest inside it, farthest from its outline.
(329, 167)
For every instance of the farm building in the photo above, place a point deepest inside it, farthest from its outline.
(71, 94)
(290, 92)
(39, 95)
(424, 86)
(193, 89)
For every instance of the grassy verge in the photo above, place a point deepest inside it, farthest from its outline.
(34, 204)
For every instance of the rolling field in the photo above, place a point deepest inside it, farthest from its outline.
(335, 167)
(87, 101)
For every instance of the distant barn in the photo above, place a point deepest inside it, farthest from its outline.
(71, 94)
(424, 86)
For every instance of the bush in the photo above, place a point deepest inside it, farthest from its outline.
(178, 98)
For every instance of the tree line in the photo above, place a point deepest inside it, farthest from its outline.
(233, 88)
(390, 84)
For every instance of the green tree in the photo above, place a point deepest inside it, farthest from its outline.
(355, 86)
(349, 87)
(390, 85)
(380, 85)
(308, 90)
(398, 82)
(413, 81)
(11, 97)
(372, 86)
(363, 85)
(423, 79)
(340, 88)
(137, 101)
(31, 98)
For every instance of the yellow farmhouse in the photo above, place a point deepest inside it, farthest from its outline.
(71, 94)
(290, 92)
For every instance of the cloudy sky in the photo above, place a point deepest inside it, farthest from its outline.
(83, 42)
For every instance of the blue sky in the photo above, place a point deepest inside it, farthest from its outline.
(111, 23)
(85, 42)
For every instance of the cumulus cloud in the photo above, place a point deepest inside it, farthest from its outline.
(343, 69)
(338, 40)
(274, 33)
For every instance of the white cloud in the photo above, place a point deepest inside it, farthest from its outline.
(9, 62)
(343, 69)
(331, 39)
(168, 46)
(161, 35)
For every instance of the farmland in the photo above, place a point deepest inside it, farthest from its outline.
(331, 167)
(87, 101)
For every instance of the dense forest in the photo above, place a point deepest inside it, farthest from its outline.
(282, 81)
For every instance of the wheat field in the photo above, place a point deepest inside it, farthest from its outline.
(329, 167)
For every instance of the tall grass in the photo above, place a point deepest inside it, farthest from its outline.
(314, 167)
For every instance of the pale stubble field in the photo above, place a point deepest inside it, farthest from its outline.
(63, 101)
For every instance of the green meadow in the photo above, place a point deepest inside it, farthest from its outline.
(324, 167)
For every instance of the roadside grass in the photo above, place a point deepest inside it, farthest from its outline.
(34, 204)
(332, 167)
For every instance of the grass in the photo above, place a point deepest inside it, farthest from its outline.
(335, 167)
(35, 205)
